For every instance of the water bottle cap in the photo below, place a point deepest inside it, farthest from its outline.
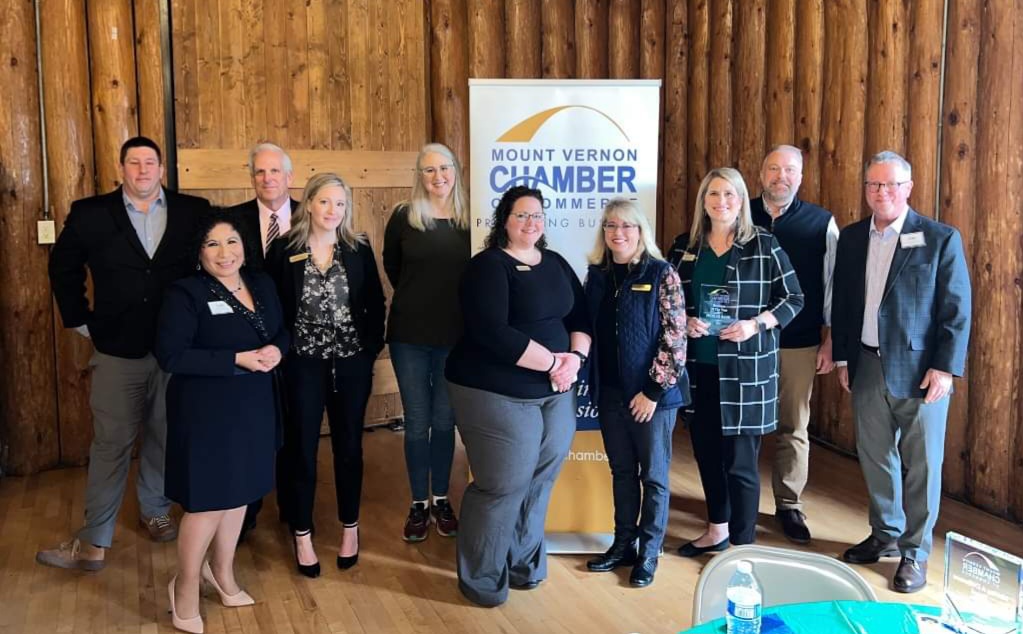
(745, 566)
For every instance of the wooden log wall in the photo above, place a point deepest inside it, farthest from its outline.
(940, 81)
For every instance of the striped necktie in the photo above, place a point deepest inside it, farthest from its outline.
(272, 232)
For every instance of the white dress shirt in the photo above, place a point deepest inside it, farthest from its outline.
(881, 250)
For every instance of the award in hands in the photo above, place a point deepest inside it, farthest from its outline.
(719, 307)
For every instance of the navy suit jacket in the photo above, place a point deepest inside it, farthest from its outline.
(924, 316)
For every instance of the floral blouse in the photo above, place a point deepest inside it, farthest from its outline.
(671, 350)
(324, 328)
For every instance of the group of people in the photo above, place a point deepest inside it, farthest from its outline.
(226, 350)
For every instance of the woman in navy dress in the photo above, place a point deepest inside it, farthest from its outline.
(220, 336)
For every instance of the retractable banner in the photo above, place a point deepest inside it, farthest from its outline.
(581, 143)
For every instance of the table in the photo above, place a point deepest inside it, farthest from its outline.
(834, 617)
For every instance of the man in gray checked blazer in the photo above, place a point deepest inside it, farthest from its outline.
(900, 327)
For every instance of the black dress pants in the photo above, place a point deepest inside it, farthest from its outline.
(344, 392)
(727, 464)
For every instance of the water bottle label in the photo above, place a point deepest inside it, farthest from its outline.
(744, 612)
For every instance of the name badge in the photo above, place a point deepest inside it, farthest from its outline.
(688, 257)
(642, 288)
(522, 267)
(298, 258)
(220, 308)
(912, 240)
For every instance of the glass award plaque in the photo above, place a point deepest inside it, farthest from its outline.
(983, 588)
(719, 307)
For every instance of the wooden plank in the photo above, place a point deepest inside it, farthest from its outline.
(339, 86)
(958, 196)
(842, 134)
(319, 66)
(232, 73)
(28, 407)
(69, 154)
(298, 74)
(522, 33)
(591, 39)
(809, 97)
(996, 327)
(781, 72)
(651, 66)
(675, 213)
(186, 73)
(228, 169)
(278, 80)
(720, 151)
(623, 39)
(112, 68)
(699, 100)
(748, 107)
(149, 71)
(927, 19)
(557, 19)
(486, 38)
(359, 67)
(449, 97)
(887, 81)
(253, 64)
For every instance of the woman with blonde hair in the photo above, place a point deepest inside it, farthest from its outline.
(733, 350)
(638, 378)
(426, 249)
(333, 303)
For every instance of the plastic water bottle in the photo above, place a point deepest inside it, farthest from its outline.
(744, 601)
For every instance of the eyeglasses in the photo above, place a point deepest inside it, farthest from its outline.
(611, 227)
(443, 169)
(873, 187)
(524, 217)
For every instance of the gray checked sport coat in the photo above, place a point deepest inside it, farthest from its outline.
(762, 275)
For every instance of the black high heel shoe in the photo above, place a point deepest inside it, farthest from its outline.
(344, 563)
(311, 570)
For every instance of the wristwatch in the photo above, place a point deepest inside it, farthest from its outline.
(582, 357)
(761, 326)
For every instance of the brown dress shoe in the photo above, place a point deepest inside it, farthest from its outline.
(911, 576)
(161, 527)
(69, 556)
(869, 551)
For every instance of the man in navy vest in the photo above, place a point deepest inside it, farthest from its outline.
(809, 235)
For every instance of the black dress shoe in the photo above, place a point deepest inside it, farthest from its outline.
(306, 570)
(525, 585)
(621, 553)
(344, 563)
(911, 576)
(689, 549)
(869, 551)
(643, 572)
(793, 524)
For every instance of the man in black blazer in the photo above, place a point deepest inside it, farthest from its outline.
(900, 328)
(262, 220)
(134, 242)
(268, 215)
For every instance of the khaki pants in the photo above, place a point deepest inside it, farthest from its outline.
(797, 369)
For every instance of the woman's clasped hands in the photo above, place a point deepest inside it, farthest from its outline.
(262, 359)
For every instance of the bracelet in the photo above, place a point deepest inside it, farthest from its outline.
(582, 357)
(554, 362)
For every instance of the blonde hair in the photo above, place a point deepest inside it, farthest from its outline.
(744, 228)
(627, 211)
(419, 216)
(301, 221)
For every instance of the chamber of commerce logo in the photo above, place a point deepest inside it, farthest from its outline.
(978, 566)
(524, 131)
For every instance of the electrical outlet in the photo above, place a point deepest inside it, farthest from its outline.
(47, 231)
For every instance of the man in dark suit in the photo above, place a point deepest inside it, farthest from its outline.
(262, 220)
(268, 215)
(809, 236)
(134, 242)
(900, 327)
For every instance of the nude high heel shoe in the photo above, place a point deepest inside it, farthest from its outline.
(238, 600)
(192, 625)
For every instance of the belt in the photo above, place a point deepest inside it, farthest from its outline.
(871, 349)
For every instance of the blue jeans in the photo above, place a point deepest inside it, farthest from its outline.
(640, 460)
(429, 422)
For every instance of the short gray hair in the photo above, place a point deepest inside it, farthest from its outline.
(269, 147)
(888, 156)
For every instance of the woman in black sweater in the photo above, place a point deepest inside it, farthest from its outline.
(511, 377)
(333, 303)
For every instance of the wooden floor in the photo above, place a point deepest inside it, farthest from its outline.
(398, 587)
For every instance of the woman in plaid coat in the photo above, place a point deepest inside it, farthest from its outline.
(741, 270)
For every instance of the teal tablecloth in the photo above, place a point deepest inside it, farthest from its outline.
(834, 617)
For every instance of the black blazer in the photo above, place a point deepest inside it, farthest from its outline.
(246, 214)
(128, 285)
(366, 294)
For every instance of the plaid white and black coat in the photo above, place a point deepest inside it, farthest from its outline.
(763, 276)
